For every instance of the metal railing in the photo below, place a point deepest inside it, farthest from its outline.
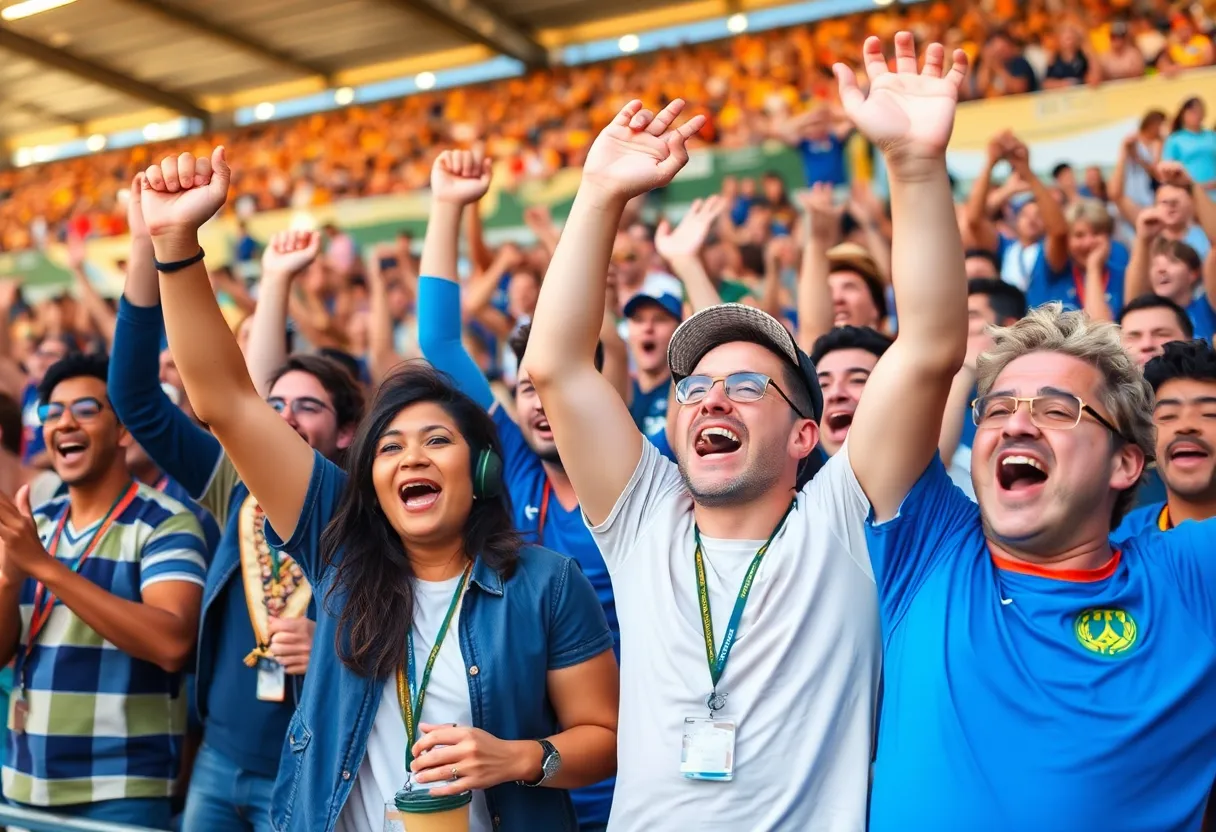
(14, 817)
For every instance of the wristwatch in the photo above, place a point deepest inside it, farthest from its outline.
(550, 764)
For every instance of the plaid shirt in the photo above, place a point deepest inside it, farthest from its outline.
(101, 724)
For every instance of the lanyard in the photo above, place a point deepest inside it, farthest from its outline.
(42, 612)
(544, 512)
(717, 664)
(410, 699)
(1163, 519)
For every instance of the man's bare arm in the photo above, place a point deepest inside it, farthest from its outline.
(638, 152)
(911, 116)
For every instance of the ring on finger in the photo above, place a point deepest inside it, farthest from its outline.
(455, 774)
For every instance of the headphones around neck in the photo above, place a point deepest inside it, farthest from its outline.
(487, 475)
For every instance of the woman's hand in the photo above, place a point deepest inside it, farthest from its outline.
(178, 196)
(471, 759)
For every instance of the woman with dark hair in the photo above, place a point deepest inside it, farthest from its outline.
(463, 662)
(1192, 144)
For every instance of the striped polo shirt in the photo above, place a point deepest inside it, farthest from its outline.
(102, 725)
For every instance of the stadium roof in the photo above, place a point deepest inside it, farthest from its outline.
(92, 64)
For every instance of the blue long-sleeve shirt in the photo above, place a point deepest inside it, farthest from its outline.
(439, 336)
(237, 724)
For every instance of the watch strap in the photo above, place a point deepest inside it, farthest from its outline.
(550, 763)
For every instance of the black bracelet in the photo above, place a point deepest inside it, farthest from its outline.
(178, 265)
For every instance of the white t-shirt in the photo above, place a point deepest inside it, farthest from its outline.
(382, 772)
(801, 680)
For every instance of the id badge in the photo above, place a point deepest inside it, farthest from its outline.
(272, 681)
(708, 752)
(21, 712)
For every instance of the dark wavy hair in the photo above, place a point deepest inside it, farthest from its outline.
(1194, 360)
(372, 595)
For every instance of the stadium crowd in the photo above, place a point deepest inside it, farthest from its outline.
(893, 513)
(748, 87)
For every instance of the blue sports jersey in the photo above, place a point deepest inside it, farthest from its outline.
(1203, 317)
(1068, 285)
(649, 409)
(1146, 518)
(1019, 699)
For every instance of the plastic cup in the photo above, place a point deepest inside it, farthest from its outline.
(420, 811)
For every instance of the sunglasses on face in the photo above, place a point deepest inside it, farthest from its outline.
(82, 410)
(743, 387)
(303, 406)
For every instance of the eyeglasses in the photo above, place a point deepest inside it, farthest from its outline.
(1050, 411)
(741, 387)
(303, 406)
(82, 410)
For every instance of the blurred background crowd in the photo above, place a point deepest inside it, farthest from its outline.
(750, 86)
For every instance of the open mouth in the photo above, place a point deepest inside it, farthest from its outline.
(1020, 474)
(542, 428)
(419, 495)
(716, 441)
(70, 450)
(1186, 454)
(838, 423)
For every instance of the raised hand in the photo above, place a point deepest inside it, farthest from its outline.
(290, 252)
(688, 238)
(909, 115)
(639, 151)
(460, 177)
(1099, 254)
(183, 192)
(135, 210)
(1149, 223)
(1173, 173)
(822, 212)
(76, 252)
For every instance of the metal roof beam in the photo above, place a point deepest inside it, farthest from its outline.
(42, 113)
(476, 23)
(191, 20)
(73, 64)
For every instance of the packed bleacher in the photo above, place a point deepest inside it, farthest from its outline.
(828, 501)
(748, 87)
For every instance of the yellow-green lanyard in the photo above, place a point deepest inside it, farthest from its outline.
(717, 663)
(409, 698)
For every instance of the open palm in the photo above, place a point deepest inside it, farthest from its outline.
(183, 192)
(688, 238)
(910, 115)
(640, 151)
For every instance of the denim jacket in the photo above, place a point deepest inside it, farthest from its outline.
(544, 617)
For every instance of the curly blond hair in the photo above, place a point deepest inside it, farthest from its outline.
(1126, 396)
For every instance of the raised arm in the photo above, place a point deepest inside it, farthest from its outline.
(976, 210)
(287, 254)
(94, 304)
(1055, 239)
(172, 440)
(682, 247)
(815, 315)
(179, 195)
(911, 116)
(1173, 173)
(638, 152)
(1136, 280)
(458, 178)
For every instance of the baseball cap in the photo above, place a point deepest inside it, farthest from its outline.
(854, 258)
(727, 322)
(670, 304)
